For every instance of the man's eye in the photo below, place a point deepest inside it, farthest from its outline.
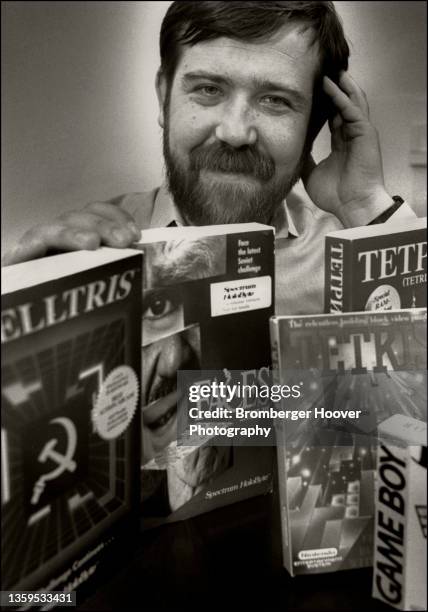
(157, 307)
(276, 102)
(210, 91)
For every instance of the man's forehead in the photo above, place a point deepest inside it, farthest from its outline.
(290, 48)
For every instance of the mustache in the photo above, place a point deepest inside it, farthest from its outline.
(220, 157)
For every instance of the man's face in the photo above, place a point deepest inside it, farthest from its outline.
(161, 360)
(169, 343)
(235, 124)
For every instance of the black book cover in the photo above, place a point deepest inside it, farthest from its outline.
(70, 425)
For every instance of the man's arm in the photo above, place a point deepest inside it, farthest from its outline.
(349, 183)
(97, 224)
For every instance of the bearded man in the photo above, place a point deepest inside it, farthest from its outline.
(244, 88)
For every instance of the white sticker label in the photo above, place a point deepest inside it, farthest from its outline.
(320, 553)
(116, 403)
(240, 295)
(384, 297)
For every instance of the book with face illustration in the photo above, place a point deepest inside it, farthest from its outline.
(70, 427)
(207, 299)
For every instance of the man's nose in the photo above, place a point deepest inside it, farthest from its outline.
(174, 355)
(237, 124)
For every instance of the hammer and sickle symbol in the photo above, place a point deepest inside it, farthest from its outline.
(64, 462)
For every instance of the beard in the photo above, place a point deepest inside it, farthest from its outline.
(207, 200)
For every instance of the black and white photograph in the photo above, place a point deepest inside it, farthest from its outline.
(214, 191)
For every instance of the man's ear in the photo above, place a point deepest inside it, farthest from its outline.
(161, 89)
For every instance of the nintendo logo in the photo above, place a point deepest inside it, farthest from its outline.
(321, 553)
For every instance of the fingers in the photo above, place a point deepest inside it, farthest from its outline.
(39, 240)
(354, 91)
(116, 233)
(117, 216)
(335, 124)
(348, 98)
(95, 225)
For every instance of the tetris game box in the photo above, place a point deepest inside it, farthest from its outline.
(377, 267)
(70, 424)
(364, 369)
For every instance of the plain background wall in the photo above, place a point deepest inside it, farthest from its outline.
(79, 110)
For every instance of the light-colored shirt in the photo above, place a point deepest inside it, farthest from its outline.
(300, 230)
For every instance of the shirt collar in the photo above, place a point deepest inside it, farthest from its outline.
(166, 213)
(284, 224)
(164, 210)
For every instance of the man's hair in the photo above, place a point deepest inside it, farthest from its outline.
(191, 22)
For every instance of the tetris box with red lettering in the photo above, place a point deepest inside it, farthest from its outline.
(400, 553)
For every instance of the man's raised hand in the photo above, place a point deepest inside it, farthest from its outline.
(349, 182)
